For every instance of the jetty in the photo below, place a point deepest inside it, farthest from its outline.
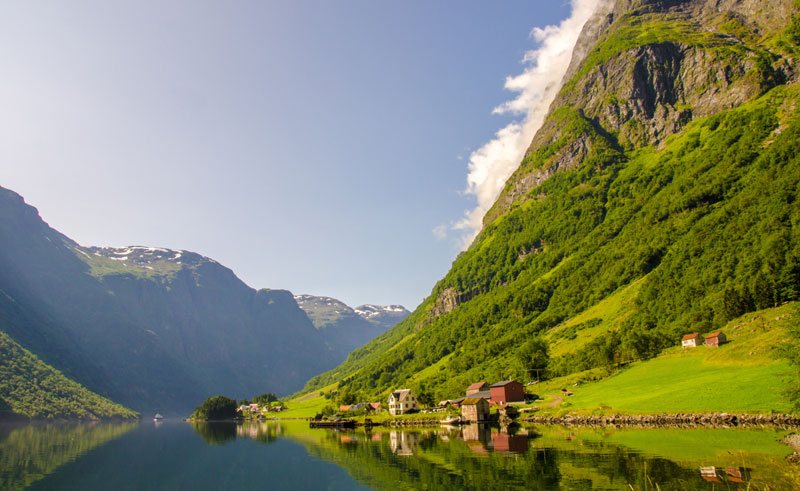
(340, 423)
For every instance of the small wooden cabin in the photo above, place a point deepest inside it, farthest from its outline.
(692, 340)
(716, 339)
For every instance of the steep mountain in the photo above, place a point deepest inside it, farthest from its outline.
(658, 198)
(29, 388)
(345, 328)
(153, 329)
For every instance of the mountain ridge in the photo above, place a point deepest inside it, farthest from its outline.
(665, 168)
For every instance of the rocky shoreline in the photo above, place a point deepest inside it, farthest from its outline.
(682, 419)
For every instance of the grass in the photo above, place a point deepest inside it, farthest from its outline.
(612, 311)
(744, 375)
(688, 384)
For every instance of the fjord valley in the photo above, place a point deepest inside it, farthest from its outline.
(658, 199)
(152, 329)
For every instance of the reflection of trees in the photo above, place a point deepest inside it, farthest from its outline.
(29, 453)
(216, 433)
(482, 458)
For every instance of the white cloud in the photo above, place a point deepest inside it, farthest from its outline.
(440, 232)
(492, 164)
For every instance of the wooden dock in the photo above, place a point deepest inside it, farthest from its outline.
(342, 423)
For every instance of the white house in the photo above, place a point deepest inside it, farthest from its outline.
(402, 401)
(692, 340)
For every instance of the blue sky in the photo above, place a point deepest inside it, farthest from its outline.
(308, 145)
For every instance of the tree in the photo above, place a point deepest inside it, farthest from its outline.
(534, 356)
(217, 407)
(265, 399)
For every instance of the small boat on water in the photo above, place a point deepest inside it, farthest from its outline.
(158, 417)
(451, 421)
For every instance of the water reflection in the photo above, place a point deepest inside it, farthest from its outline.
(29, 452)
(484, 457)
(216, 433)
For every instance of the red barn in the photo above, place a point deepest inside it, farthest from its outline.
(507, 391)
(715, 339)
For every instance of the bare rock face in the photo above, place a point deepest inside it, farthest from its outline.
(644, 69)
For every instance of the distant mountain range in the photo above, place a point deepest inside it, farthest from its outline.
(346, 328)
(158, 329)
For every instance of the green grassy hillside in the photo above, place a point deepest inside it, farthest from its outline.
(32, 389)
(619, 248)
(747, 374)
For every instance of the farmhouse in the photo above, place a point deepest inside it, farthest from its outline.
(477, 387)
(507, 391)
(692, 340)
(475, 409)
(402, 401)
(715, 339)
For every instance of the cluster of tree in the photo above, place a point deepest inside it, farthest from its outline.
(262, 400)
(216, 408)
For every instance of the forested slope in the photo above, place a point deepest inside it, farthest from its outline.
(660, 195)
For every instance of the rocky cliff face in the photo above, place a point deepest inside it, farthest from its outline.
(644, 69)
(657, 199)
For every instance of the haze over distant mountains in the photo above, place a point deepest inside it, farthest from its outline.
(159, 329)
(346, 328)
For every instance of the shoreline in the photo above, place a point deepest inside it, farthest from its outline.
(725, 420)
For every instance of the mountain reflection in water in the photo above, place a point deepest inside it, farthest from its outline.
(480, 456)
(290, 455)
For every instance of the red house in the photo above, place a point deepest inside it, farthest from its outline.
(715, 339)
(507, 391)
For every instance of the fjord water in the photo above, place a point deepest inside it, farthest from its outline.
(289, 455)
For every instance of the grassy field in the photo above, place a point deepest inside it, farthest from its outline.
(744, 375)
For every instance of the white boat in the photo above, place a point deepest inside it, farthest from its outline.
(158, 417)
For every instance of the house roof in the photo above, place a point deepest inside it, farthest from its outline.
(486, 394)
(477, 385)
(713, 335)
(344, 408)
(375, 405)
(503, 383)
(690, 336)
(471, 401)
(401, 394)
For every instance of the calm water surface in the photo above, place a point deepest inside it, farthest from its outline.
(289, 455)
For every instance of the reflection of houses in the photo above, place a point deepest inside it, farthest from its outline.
(402, 401)
(478, 437)
(475, 409)
(505, 443)
(709, 473)
(737, 474)
(715, 339)
(402, 442)
(692, 340)
(507, 391)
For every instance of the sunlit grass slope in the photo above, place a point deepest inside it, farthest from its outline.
(745, 375)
